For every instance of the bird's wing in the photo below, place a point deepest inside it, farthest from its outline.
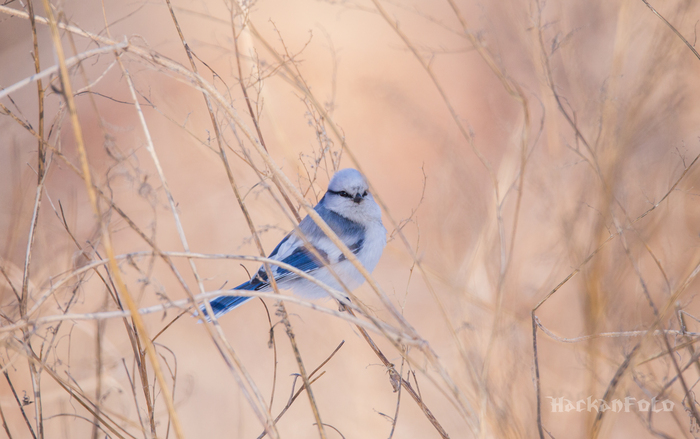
(292, 251)
(295, 251)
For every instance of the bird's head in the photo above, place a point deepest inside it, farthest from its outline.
(348, 195)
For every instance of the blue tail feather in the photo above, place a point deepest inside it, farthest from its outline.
(223, 304)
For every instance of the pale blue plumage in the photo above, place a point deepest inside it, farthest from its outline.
(351, 212)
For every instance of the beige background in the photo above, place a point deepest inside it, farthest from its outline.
(622, 74)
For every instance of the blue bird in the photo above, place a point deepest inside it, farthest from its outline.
(351, 212)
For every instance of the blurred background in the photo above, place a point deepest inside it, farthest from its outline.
(522, 150)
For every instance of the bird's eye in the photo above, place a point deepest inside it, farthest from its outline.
(364, 194)
(341, 193)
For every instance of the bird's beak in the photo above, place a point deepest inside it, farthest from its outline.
(357, 198)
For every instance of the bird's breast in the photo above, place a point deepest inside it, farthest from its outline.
(373, 246)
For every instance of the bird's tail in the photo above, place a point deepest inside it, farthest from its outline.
(223, 304)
